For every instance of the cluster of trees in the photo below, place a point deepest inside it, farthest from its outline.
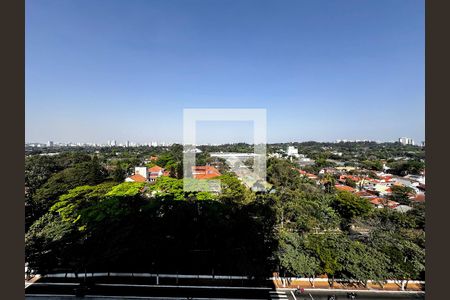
(133, 227)
(369, 155)
(405, 167)
(81, 218)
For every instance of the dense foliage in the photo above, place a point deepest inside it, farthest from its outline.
(81, 215)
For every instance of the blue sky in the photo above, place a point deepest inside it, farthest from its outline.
(98, 70)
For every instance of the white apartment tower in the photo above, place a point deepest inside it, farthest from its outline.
(406, 141)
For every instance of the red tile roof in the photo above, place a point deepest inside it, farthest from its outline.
(354, 178)
(309, 175)
(344, 188)
(371, 180)
(418, 198)
(386, 178)
(205, 172)
(384, 202)
(155, 169)
(364, 194)
(138, 178)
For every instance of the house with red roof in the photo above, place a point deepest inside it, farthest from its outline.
(419, 197)
(342, 178)
(136, 178)
(306, 174)
(154, 172)
(346, 188)
(364, 194)
(149, 174)
(205, 172)
(383, 202)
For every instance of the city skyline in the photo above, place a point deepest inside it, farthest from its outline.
(153, 143)
(324, 70)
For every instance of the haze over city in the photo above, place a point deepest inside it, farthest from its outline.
(324, 70)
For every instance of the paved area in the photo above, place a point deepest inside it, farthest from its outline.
(144, 288)
(325, 285)
(279, 295)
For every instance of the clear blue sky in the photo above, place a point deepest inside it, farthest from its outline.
(325, 69)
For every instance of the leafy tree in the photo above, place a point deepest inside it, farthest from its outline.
(401, 193)
(305, 212)
(350, 182)
(38, 169)
(61, 182)
(402, 168)
(49, 243)
(233, 191)
(119, 173)
(294, 259)
(349, 205)
(363, 263)
(417, 215)
(407, 259)
(167, 188)
(172, 171)
(328, 249)
(329, 182)
(283, 175)
(373, 165)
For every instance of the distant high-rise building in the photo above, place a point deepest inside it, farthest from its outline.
(50, 144)
(406, 141)
(127, 144)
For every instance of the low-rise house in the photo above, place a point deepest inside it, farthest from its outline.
(304, 161)
(205, 172)
(381, 189)
(306, 174)
(151, 159)
(419, 179)
(364, 194)
(328, 171)
(276, 155)
(383, 202)
(149, 174)
(154, 172)
(135, 178)
(346, 168)
(419, 197)
(356, 179)
(346, 188)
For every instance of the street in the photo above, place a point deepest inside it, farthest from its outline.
(60, 290)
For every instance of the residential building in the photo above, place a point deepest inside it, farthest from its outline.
(345, 188)
(149, 174)
(154, 173)
(205, 172)
(292, 151)
(406, 141)
(135, 178)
